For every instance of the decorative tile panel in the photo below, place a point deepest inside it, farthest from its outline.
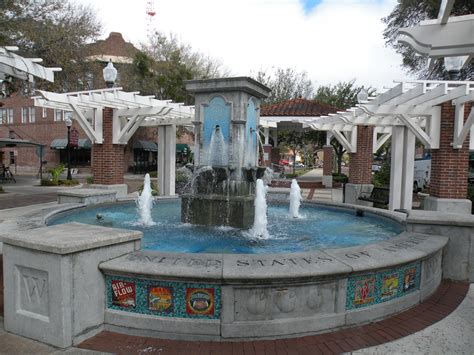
(163, 298)
(373, 288)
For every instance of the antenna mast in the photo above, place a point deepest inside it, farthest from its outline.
(150, 14)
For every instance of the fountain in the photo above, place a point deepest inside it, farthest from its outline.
(259, 229)
(145, 203)
(214, 278)
(225, 168)
(295, 199)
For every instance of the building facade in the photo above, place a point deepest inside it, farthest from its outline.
(20, 119)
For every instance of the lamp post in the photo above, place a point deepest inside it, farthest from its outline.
(68, 125)
(110, 74)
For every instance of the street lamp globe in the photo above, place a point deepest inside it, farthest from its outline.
(362, 96)
(68, 122)
(110, 74)
(453, 66)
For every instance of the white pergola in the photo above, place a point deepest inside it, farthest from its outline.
(130, 111)
(407, 111)
(11, 64)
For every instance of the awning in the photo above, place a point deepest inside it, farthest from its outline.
(182, 148)
(148, 146)
(61, 143)
(9, 143)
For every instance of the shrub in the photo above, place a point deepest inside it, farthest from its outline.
(69, 182)
(154, 189)
(382, 177)
(153, 174)
(342, 178)
(56, 173)
(90, 180)
(1, 190)
(49, 182)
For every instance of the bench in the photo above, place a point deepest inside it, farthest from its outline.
(379, 196)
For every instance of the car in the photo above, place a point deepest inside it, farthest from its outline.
(283, 162)
(376, 167)
(299, 165)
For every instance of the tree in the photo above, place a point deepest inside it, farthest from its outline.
(164, 64)
(408, 13)
(296, 140)
(286, 84)
(54, 30)
(343, 95)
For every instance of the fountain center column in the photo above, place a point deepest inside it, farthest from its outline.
(225, 170)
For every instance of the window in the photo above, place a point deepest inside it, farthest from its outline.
(9, 115)
(24, 114)
(12, 158)
(67, 114)
(3, 116)
(32, 115)
(44, 113)
(58, 115)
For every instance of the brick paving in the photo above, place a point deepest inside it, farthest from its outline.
(448, 296)
(15, 200)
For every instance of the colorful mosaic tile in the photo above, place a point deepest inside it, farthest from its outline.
(163, 298)
(369, 289)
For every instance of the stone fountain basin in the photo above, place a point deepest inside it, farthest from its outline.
(275, 295)
(222, 296)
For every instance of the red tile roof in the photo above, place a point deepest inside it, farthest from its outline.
(298, 107)
(114, 45)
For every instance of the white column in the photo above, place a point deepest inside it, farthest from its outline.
(408, 169)
(166, 160)
(266, 133)
(396, 168)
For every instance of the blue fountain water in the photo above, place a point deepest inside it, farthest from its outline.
(319, 228)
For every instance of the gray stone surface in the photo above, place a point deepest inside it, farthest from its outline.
(250, 267)
(54, 290)
(327, 180)
(354, 191)
(244, 84)
(163, 325)
(121, 189)
(405, 248)
(447, 205)
(86, 196)
(452, 335)
(458, 256)
(70, 238)
(154, 264)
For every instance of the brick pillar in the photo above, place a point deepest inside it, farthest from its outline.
(360, 163)
(107, 158)
(449, 168)
(328, 152)
(360, 167)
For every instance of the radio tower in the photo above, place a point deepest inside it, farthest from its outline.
(150, 14)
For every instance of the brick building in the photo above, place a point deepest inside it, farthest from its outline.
(21, 120)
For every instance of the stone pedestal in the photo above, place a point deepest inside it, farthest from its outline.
(449, 168)
(86, 196)
(237, 212)
(328, 151)
(108, 158)
(54, 290)
(352, 193)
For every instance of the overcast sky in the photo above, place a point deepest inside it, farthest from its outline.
(332, 40)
